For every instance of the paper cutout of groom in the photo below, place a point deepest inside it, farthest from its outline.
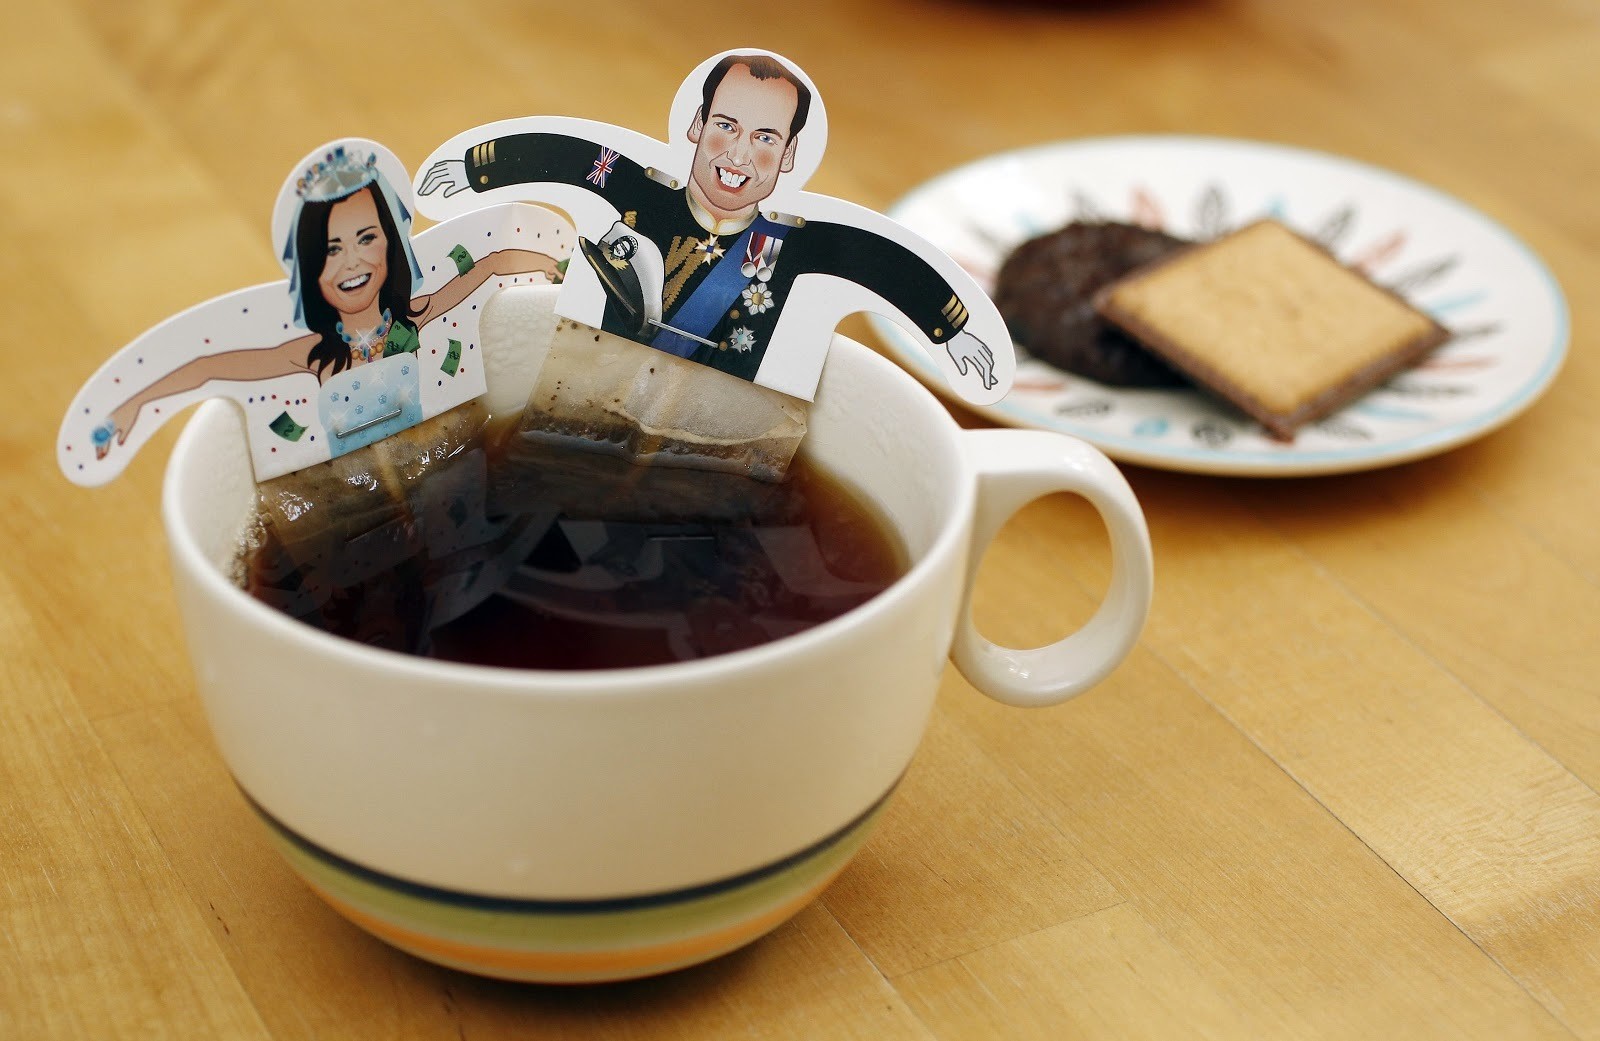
(695, 267)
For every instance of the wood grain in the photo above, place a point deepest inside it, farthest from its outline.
(1344, 788)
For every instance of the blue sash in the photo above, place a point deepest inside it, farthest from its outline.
(711, 298)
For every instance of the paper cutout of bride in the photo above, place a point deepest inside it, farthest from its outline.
(374, 330)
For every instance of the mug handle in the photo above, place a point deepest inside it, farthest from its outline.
(1015, 467)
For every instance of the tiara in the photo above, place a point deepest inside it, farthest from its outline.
(335, 175)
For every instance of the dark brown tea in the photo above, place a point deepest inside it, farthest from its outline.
(538, 554)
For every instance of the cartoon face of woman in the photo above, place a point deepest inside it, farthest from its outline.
(357, 263)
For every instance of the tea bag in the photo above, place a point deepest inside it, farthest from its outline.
(383, 543)
(306, 519)
(654, 408)
(536, 472)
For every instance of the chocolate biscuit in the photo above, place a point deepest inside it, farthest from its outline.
(1045, 291)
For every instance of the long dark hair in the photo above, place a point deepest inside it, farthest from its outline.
(311, 245)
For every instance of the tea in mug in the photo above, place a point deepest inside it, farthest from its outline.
(458, 542)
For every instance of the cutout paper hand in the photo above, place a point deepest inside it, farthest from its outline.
(967, 350)
(450, 175)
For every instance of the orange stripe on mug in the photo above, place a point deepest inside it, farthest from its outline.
(628, 961)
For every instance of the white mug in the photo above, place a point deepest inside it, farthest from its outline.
(572, 826)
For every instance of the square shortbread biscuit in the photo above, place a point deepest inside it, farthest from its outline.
(1271, 322)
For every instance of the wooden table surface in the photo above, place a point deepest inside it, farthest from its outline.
(1345, 787)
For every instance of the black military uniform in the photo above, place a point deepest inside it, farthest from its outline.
(726, 282)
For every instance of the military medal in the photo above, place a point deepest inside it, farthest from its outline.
(758, 298)
(710, 250)
(760, 254)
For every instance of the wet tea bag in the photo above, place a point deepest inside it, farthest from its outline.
(364, 512)
(573, 384)
(701, 298)
(659, 409)
(305, 519)
(378, 543)
(442, 468)
(535, 471)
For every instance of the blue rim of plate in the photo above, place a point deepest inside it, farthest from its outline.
(1285, 462)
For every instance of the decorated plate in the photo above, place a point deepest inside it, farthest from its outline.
(1506, 312)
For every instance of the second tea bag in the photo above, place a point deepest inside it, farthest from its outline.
(387, 541)
(658, 409)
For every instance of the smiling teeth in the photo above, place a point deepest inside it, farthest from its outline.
(355, 283)
(730, 179)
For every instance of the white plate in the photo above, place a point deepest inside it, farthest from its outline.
(1506, 310)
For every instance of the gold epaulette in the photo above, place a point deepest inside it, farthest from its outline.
(660, 178)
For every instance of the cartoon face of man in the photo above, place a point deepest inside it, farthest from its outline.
(357, 262)
(742, 142)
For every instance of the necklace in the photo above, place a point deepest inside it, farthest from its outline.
(368, 345)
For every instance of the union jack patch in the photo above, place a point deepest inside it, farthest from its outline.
(602, 168)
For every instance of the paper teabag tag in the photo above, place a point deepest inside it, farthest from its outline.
(704, 250)
(374, 330)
